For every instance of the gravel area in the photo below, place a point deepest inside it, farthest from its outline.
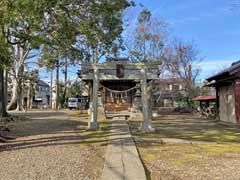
(51, 145)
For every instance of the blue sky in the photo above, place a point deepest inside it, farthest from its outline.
(211, 24)
(213, 27)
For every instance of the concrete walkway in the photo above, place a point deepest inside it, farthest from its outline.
(122, 161)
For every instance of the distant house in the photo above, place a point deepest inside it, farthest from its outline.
(41, 94)
(227, 84)
(41, 98)
(166, 91)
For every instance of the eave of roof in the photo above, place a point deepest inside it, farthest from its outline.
(42, 83)
(226, 72)
(204, 98)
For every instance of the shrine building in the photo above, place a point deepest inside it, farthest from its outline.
(227, 84)
(120, 85)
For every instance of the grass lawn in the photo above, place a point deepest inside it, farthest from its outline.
(99, 137)
(185, 147)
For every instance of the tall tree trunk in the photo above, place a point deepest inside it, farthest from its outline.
(51, 88)
(20, 97)
(1, 90)
(5, 92)
(57, 85)
(65, 81)
(31, 98)
(20, 93)
(30, 94)
(17, 71)
(13, 100)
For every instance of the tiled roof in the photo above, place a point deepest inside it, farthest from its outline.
(235, 66)
(42, 83)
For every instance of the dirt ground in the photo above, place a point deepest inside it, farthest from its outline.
(189, 148)
(53, 145)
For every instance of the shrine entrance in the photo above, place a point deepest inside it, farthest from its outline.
(114, 84)
(118, 95)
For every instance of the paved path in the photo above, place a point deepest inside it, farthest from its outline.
(122, 161)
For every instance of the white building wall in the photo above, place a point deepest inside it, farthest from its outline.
(227, 104)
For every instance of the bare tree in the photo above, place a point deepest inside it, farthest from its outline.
(182, 61)
(146, 41)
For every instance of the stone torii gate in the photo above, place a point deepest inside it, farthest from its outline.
(93, 74)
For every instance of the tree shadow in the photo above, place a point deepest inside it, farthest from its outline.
(56, 129)
(187, 127)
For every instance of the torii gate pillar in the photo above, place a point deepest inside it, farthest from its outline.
(93, 123)
(146, 125)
